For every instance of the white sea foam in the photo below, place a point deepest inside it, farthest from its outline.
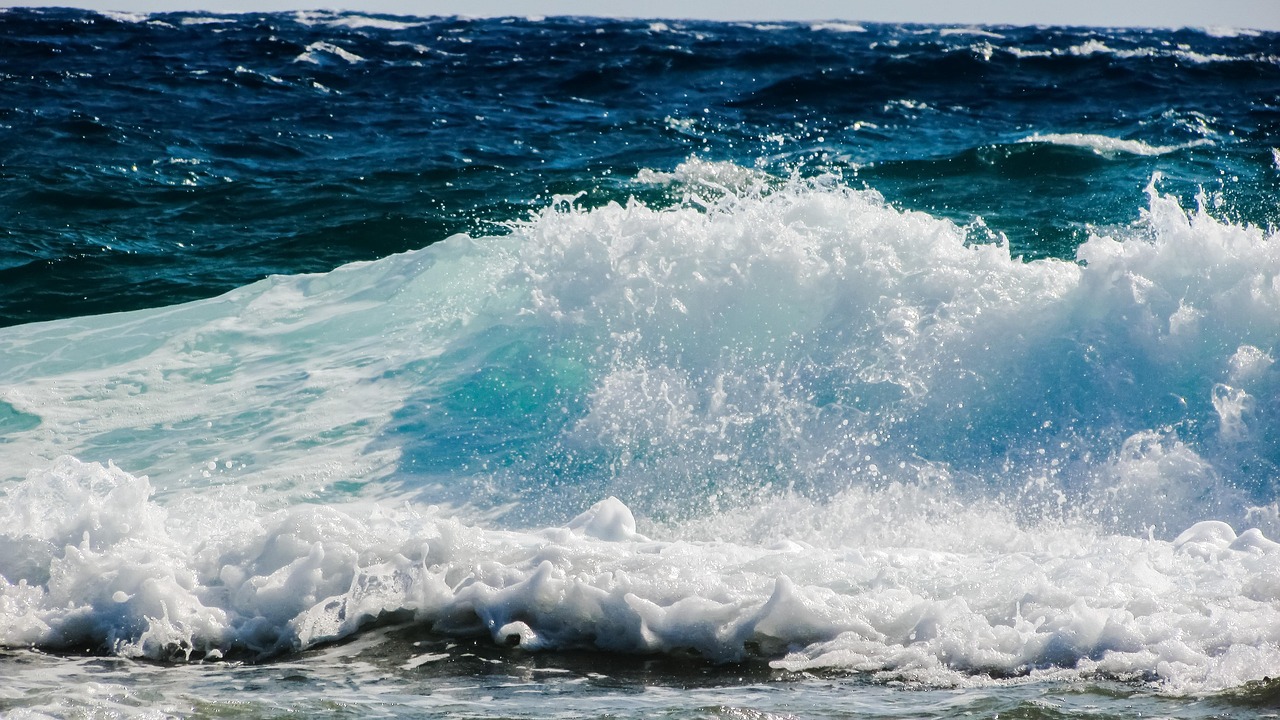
(1105, 145)
(358, 22)
(837, 27)
(899, 582)
(784, 419)
(417, 47)
(1224, 31)
(969, 31)
(725, 176)
(1097, 47)
(206, 20)
(311, 55)
(125, 17)
(242, 70)
(314, 17)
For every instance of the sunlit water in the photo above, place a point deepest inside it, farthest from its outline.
(814, 370)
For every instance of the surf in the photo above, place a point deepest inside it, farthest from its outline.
(782, 420)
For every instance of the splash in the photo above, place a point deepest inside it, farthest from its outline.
(954, 596)
(828, 432)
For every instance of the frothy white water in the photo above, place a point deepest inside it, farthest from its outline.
(313, 56)
(835, 434)
(1105, 145)
(950, 595)
(125, 17)
(359, 22)
(1098, 47)
(1226, 31)
(837, 27)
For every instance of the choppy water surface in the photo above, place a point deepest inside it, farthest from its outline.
(635, 368)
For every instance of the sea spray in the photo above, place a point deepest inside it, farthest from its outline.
(801, 424)
(808, 337)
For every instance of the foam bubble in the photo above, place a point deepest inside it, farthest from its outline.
(608, 519)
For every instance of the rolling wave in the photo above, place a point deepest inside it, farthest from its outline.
(781, 419)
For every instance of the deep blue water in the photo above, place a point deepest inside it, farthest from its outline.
(435, 367)
(150, 160)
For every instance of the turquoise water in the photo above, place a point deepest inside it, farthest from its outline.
(816, 370)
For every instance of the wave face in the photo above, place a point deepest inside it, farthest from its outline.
(348, 356)
(791, 422)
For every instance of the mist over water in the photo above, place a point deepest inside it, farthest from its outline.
(879, 357)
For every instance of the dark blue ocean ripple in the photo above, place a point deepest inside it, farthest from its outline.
(154, 159)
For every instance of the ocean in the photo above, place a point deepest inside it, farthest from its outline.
(373, 366)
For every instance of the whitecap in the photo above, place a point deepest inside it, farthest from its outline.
(125, 17)
(837, 27)
(360, 22)
(1106, 145)
(969, 31)
(207, 20)
(1225, 31)
(311, 54)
